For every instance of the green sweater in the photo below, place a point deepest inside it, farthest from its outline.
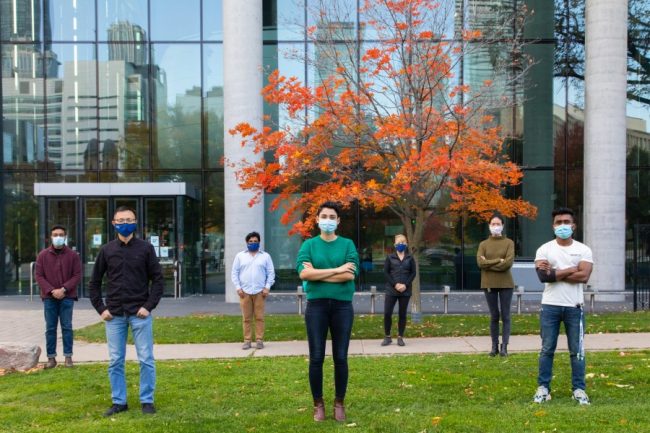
(495, 274)
(327, 255)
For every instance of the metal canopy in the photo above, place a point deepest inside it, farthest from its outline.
(87, 189)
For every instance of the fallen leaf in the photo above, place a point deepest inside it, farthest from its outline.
(352, 424)
(436, 420)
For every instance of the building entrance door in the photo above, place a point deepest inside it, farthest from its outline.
(88, 220)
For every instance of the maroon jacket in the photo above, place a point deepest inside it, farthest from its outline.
(58, 269)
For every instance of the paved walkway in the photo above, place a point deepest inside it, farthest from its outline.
(21, 320)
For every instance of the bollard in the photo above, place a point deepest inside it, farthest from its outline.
(373, 293)
(446, 290)
(520, 293)
(592, 296)
(299, 294)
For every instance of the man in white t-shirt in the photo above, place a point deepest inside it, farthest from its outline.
(564, 265)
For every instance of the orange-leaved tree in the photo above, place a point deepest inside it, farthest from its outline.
(390, 124)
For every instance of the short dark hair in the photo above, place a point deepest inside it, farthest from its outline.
(58, 227)
(125, 209)
(563, 211)
(253, 235)
(497, 216)
(330, 205)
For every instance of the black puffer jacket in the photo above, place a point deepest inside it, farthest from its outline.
(399, 271)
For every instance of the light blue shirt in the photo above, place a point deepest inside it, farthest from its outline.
(252, 272)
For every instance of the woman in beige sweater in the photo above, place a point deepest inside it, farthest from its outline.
(495, 256)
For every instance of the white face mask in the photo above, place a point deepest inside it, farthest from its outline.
(496, 230)
(58, 241)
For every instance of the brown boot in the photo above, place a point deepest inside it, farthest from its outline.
(319, 410)
(51, 363)
(68, 361)
(339, 410)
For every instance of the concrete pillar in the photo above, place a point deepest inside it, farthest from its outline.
(242, 64)
(605, 140)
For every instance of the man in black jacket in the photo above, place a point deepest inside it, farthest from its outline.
(129, 264)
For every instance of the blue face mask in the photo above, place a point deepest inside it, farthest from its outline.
(58, 241)
(400, 248)
(126, 229)
(563, 231)
(253, 246)
(327, 225)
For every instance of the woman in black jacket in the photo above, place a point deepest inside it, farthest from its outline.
(399, 269)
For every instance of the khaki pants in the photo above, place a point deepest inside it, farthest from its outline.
(252, 305)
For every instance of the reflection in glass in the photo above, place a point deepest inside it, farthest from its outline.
(177, 78)
(20, 240)
(211, 250)
(122, 20)
(173, 20)
(69, 20)
(284, 20)
(72, 109)
(124, 120)
(213, 103)
(213, 20)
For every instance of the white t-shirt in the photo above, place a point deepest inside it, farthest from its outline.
(562, 293)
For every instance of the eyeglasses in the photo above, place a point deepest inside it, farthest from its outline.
(125, 221)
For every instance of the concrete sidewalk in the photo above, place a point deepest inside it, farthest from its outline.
(85, 352)
(21, 320)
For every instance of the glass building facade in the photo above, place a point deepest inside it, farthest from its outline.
(131, 91)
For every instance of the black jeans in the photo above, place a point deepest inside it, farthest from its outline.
(389, 306)
(322, 315)
(499, 298)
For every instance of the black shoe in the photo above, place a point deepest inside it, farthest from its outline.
(400, 341)
(386, 341)
(504, 350)
(495, 349)
(148, 408)
(116, 408)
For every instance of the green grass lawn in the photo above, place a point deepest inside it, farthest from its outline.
(428, 393)
(220, 329)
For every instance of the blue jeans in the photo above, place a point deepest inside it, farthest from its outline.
(55, 311)
(550, 318)
(322, 315)
(116, 333)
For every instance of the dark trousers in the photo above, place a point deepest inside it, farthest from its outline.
(499, 301)
(389, 306)
(321, 316)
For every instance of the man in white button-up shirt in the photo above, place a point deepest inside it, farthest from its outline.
(253, 275)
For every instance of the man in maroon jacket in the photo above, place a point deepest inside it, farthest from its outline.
(58, 272)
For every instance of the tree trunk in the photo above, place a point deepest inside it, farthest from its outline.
(414, 232)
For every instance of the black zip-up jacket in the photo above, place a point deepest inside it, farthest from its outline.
(399, 271)
(128, 268)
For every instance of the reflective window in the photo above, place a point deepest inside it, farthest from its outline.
(177, 85)
(69, 20)
(173, 20)
(213, 103)
(122, 20)
(72, 108)
(212, 246)
(20, 241)
(212, 20)
(284, 20)
(125, 97)
(24, 107)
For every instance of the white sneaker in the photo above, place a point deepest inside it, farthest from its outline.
(580, 396)
(542, 394)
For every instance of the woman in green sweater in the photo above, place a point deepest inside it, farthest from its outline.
(327, 265)
(495, 256)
